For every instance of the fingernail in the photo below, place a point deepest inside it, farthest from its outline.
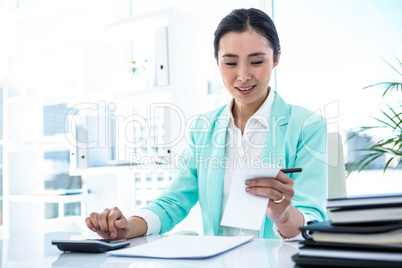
(118, 223)
(93, 229)
(248, 189)
(248, 182)
(113, 235)
(107, 233)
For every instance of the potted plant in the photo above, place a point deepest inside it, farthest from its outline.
(140, 73)
(391, 122)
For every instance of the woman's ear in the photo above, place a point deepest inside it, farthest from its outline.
(277, 58)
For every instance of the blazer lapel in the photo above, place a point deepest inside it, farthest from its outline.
(273, 152)
(278, 121)
(216, 171)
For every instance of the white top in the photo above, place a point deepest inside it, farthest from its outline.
(240, 147)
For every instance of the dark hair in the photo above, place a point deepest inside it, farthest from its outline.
(240, 20)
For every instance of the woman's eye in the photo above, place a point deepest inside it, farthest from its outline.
(256, 62)
(231, 63)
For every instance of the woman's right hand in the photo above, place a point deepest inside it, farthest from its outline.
(109, 224)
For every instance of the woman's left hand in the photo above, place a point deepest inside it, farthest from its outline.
(279, 190)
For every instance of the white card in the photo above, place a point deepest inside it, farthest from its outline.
(244, 210)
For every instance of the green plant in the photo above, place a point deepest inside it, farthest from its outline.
(390, 121)
(137, 67)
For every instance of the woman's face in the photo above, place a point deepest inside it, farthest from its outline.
(246, 61)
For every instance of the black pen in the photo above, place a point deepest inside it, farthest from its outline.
(291, 170)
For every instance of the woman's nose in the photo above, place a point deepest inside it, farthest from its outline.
(243, 74)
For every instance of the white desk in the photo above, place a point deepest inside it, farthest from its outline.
(37, 251)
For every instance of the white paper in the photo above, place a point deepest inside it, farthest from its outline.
(244, 210)
(183, 247)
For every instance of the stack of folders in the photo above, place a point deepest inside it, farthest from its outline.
(365, 231)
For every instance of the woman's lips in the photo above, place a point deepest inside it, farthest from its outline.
(245, 90)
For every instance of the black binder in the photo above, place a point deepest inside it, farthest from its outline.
(335, 254)
(305, 261)
(360, 201)
(328, 227)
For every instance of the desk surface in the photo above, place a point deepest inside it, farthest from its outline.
(37, 251)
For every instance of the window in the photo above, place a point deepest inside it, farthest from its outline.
(72, 209)
(51, 210)
(331, 50)
(151, 132)
(54, 119)
(58, 162)
(58, 178)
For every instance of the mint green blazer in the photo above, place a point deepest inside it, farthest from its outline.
(296, 138)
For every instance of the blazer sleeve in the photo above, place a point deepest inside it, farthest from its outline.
(311, 185)
(176, 200)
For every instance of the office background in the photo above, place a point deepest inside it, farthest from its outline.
(89, 60)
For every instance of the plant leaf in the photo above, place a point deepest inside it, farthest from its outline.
(390, 118)
(387, 86)
(390, 65)
(397, 116)
(388, 162)
(400, 162)
(370, 161)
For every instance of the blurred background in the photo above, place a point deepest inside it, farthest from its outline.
(89, 90)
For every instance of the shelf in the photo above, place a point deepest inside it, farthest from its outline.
(52, 199)
(51, 143)
(117, 169)
(151, 91)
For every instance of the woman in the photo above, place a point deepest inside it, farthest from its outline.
(257, 123)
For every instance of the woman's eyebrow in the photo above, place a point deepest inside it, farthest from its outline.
(256, 54)
(230, 55)
(249, 56)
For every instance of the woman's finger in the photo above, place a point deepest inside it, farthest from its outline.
(271, 193)
(114, 215)
(282, 177)
(94, 220)
(264, 182)
(89, 224)
(103, 221)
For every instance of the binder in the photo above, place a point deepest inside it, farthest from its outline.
(350, 247)
(355, 241)
(359, 201)
(308, 261)
(323, 254)
(327, 226)
(370, 214)
(161, 57)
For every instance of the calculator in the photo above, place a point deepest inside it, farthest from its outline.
(90, 245)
